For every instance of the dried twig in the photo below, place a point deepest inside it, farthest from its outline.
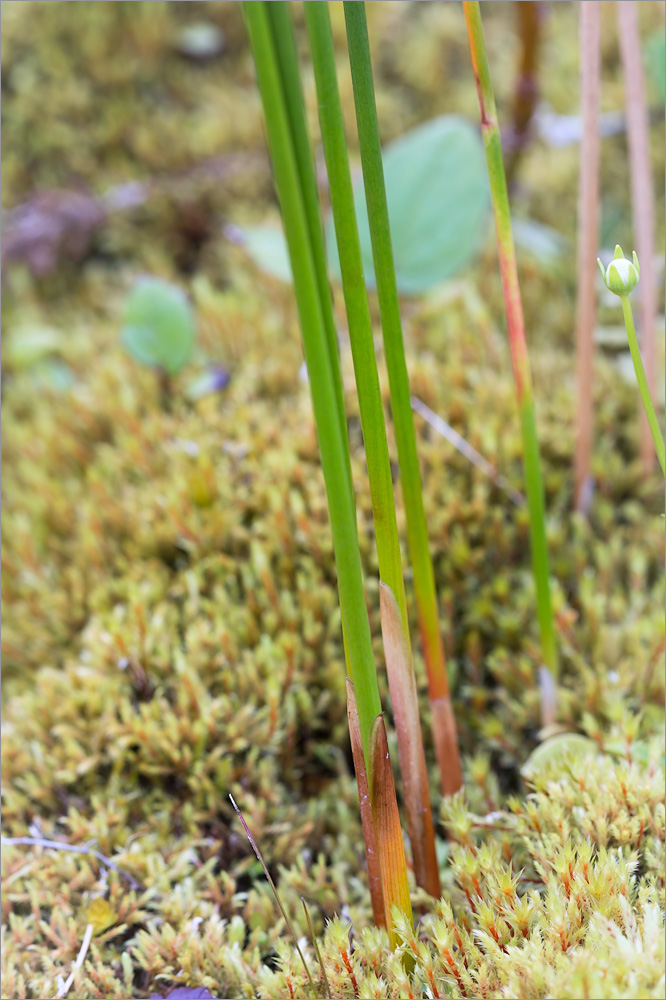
(80, 958)
(57, 845)
(466, 449)
(530, 15)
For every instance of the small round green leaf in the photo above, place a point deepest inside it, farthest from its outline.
(158, 328)
(554, 752)
(438, 201)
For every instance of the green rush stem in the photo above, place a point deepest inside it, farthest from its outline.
(387, 292)
(410, 740)
(641, 378)
(516, 330)
(288, 65)
(311, 307)
(356, 302)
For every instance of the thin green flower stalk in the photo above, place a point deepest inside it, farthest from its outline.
(325, 400)
(410, 741)
(621, 277)
(443, 722)
(520, 361)
(313, 303)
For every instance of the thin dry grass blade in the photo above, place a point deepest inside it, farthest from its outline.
(390, 849)
(470, 453)
(313, 938)
(260, 858)
(642, 200)
(372, 861)
(588, 231)
(405, 704)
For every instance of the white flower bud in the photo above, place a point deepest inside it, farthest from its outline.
(621, 275)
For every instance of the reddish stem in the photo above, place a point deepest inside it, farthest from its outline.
(642, 200)
(588, 223)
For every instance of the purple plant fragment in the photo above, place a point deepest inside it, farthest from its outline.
(186, 993)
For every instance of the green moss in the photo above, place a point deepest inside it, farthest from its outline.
(171, 628)
(174, 636)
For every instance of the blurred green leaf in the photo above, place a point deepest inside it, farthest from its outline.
(54, 374)
(543, 242)
(654, 58)
(158, 328)
(30, 344)
(438, 201)
(268, 249)
(554, 752)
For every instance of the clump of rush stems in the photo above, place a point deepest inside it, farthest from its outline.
(276, 61)
(519, 357)
(395, 627)
(443, 722)
(276, 64)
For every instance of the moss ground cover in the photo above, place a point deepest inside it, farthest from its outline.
(171, 625)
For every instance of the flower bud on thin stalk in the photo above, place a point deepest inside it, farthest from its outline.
(621, 277)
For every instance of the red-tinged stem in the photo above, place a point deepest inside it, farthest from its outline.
(390, 849)
(519, 357)
(588, 229)
(444, 729)
(404, 699)
(367, 822)
(642, 199)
